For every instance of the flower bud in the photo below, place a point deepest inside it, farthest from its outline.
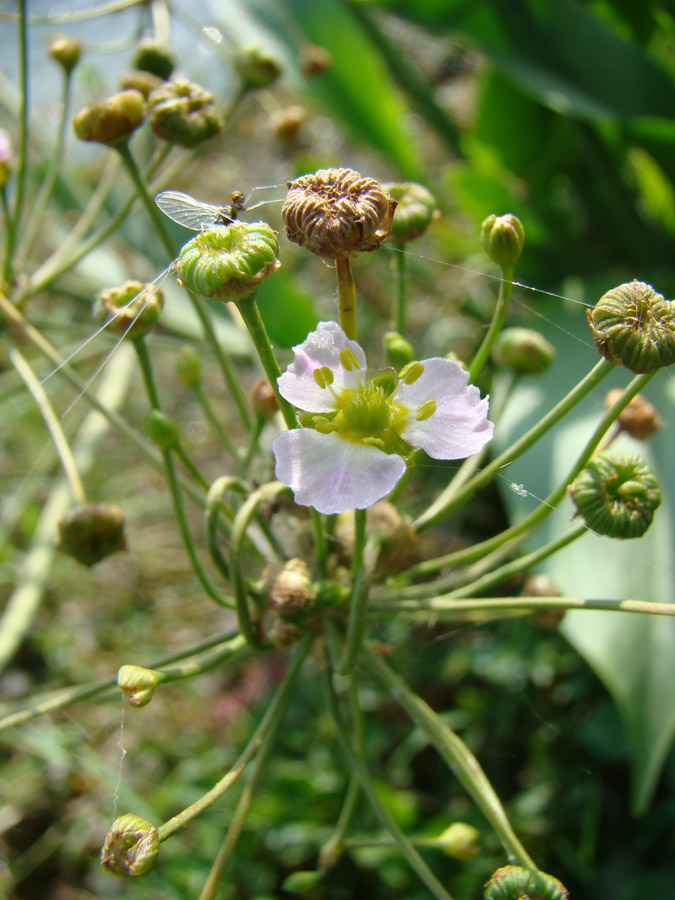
(633, 326)
(398, 351)
(639, 419)
(110, 121)
(131, 846)
(287, 122)
(337, 214)
(459, 840)
(302, 882)
(154, 57)
(91, 532)
(144, 82)
(523, 350)
(229, 262)
(256, 67)
(161, 429)
(517, 883)
(503, 238)
(5, 157)
(137, 684)
(263, 399)
(617, 497)
(314, 60)
(188, 367)
(132, 309)
(183, 113)
(65, 51)
(416, 210)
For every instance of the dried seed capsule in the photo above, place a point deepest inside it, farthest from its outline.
(314, 60)
(416, 210)
(291, 588)
(132, 309)
(263, 399)
(287, 122)
(337, 213)
(131, 846)
(633, 326)
(229, 262)
(137, 684)
(517, 883)
(256, 67)
(110, 121)
(183, 113)
(92, 531)
(617, 497)
(523, 350)
(639, 419)
(503, 238)
(65, 51)
(154, 57)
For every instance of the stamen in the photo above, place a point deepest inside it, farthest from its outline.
(323, 425)
(348, 359)
(426, 410)
(411, 372)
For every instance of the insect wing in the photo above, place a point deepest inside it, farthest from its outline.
(186, 211)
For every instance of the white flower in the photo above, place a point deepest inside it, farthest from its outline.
(353, 452)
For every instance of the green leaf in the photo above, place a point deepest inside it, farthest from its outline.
(633, 655)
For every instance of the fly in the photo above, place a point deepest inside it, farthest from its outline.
(197, 214)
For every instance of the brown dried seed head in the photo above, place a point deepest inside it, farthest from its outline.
(337, 213)
(639, 419)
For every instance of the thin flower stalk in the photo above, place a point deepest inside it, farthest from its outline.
(346, 298)
(496, 324)
(356, 627)
(398, 313)
(20, 177)
(451, 606)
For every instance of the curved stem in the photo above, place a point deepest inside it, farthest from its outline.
(346, 298)
(495, 325)
(356, 628)
(455, 753)
(214, 504)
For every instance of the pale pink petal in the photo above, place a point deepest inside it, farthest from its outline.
(320, 348)
(460, 425)
(332, 474)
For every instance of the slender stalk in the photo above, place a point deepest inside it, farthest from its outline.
(211, 417)
(495, 325)
(450, 499)
(401, 298)
(444, 603)
(9, 229)
(346, 298)
(356, 628)
(362, 772)
(262, 741)
(156, 217)
(455, 753)
(214, 504)
(20, 178)
(52, 423)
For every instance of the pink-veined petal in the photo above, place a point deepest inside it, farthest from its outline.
(332, 474)
(460, 425)
(320, 348)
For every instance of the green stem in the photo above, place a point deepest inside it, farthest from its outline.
(356, 628)
(455, 753)
(256, 328)
(320, 545)
(156, 217)
(232, 651)
(214, 505)
(450, 499)
(9, 230)
(346, 298)
(447, 604)
(401, 298)
(495, 325)
(52, 423)
(362, 772)
(211, 417)
(261, 742)
(20, 179)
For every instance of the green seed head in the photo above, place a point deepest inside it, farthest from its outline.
(503, 238)
(132, 309)
(65, 51)
(183, 113)
(155, 57)
(517, 883)
(257, 68)
(110, 121)
(523, 350)
(131, 846)
(416, 210)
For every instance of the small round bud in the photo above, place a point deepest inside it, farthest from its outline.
(137, 684)
(302, 882)
(65, 51)
(337, 214)
(286, 123)
(154, 57)
(459, 840)
(132, 309)
(256, 67)
(633, 326)
(517, 883)
(523, 350)
(131, 846)
(416, 210)
(229, 262)
(92, 531)
(188, 367)
(617, 497)
(263, 399)
(110, 121)
(144, 82)
(639, 419)
(398, 351)
(314, 60)
(5, 157)
(161, 429)
(503, 238)
(183, 113)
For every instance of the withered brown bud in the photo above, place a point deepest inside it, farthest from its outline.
(287, 122)
(337, 213)
(314, 60)
(639, 419)
(263, 399)
(92, 531)
(291, 588)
